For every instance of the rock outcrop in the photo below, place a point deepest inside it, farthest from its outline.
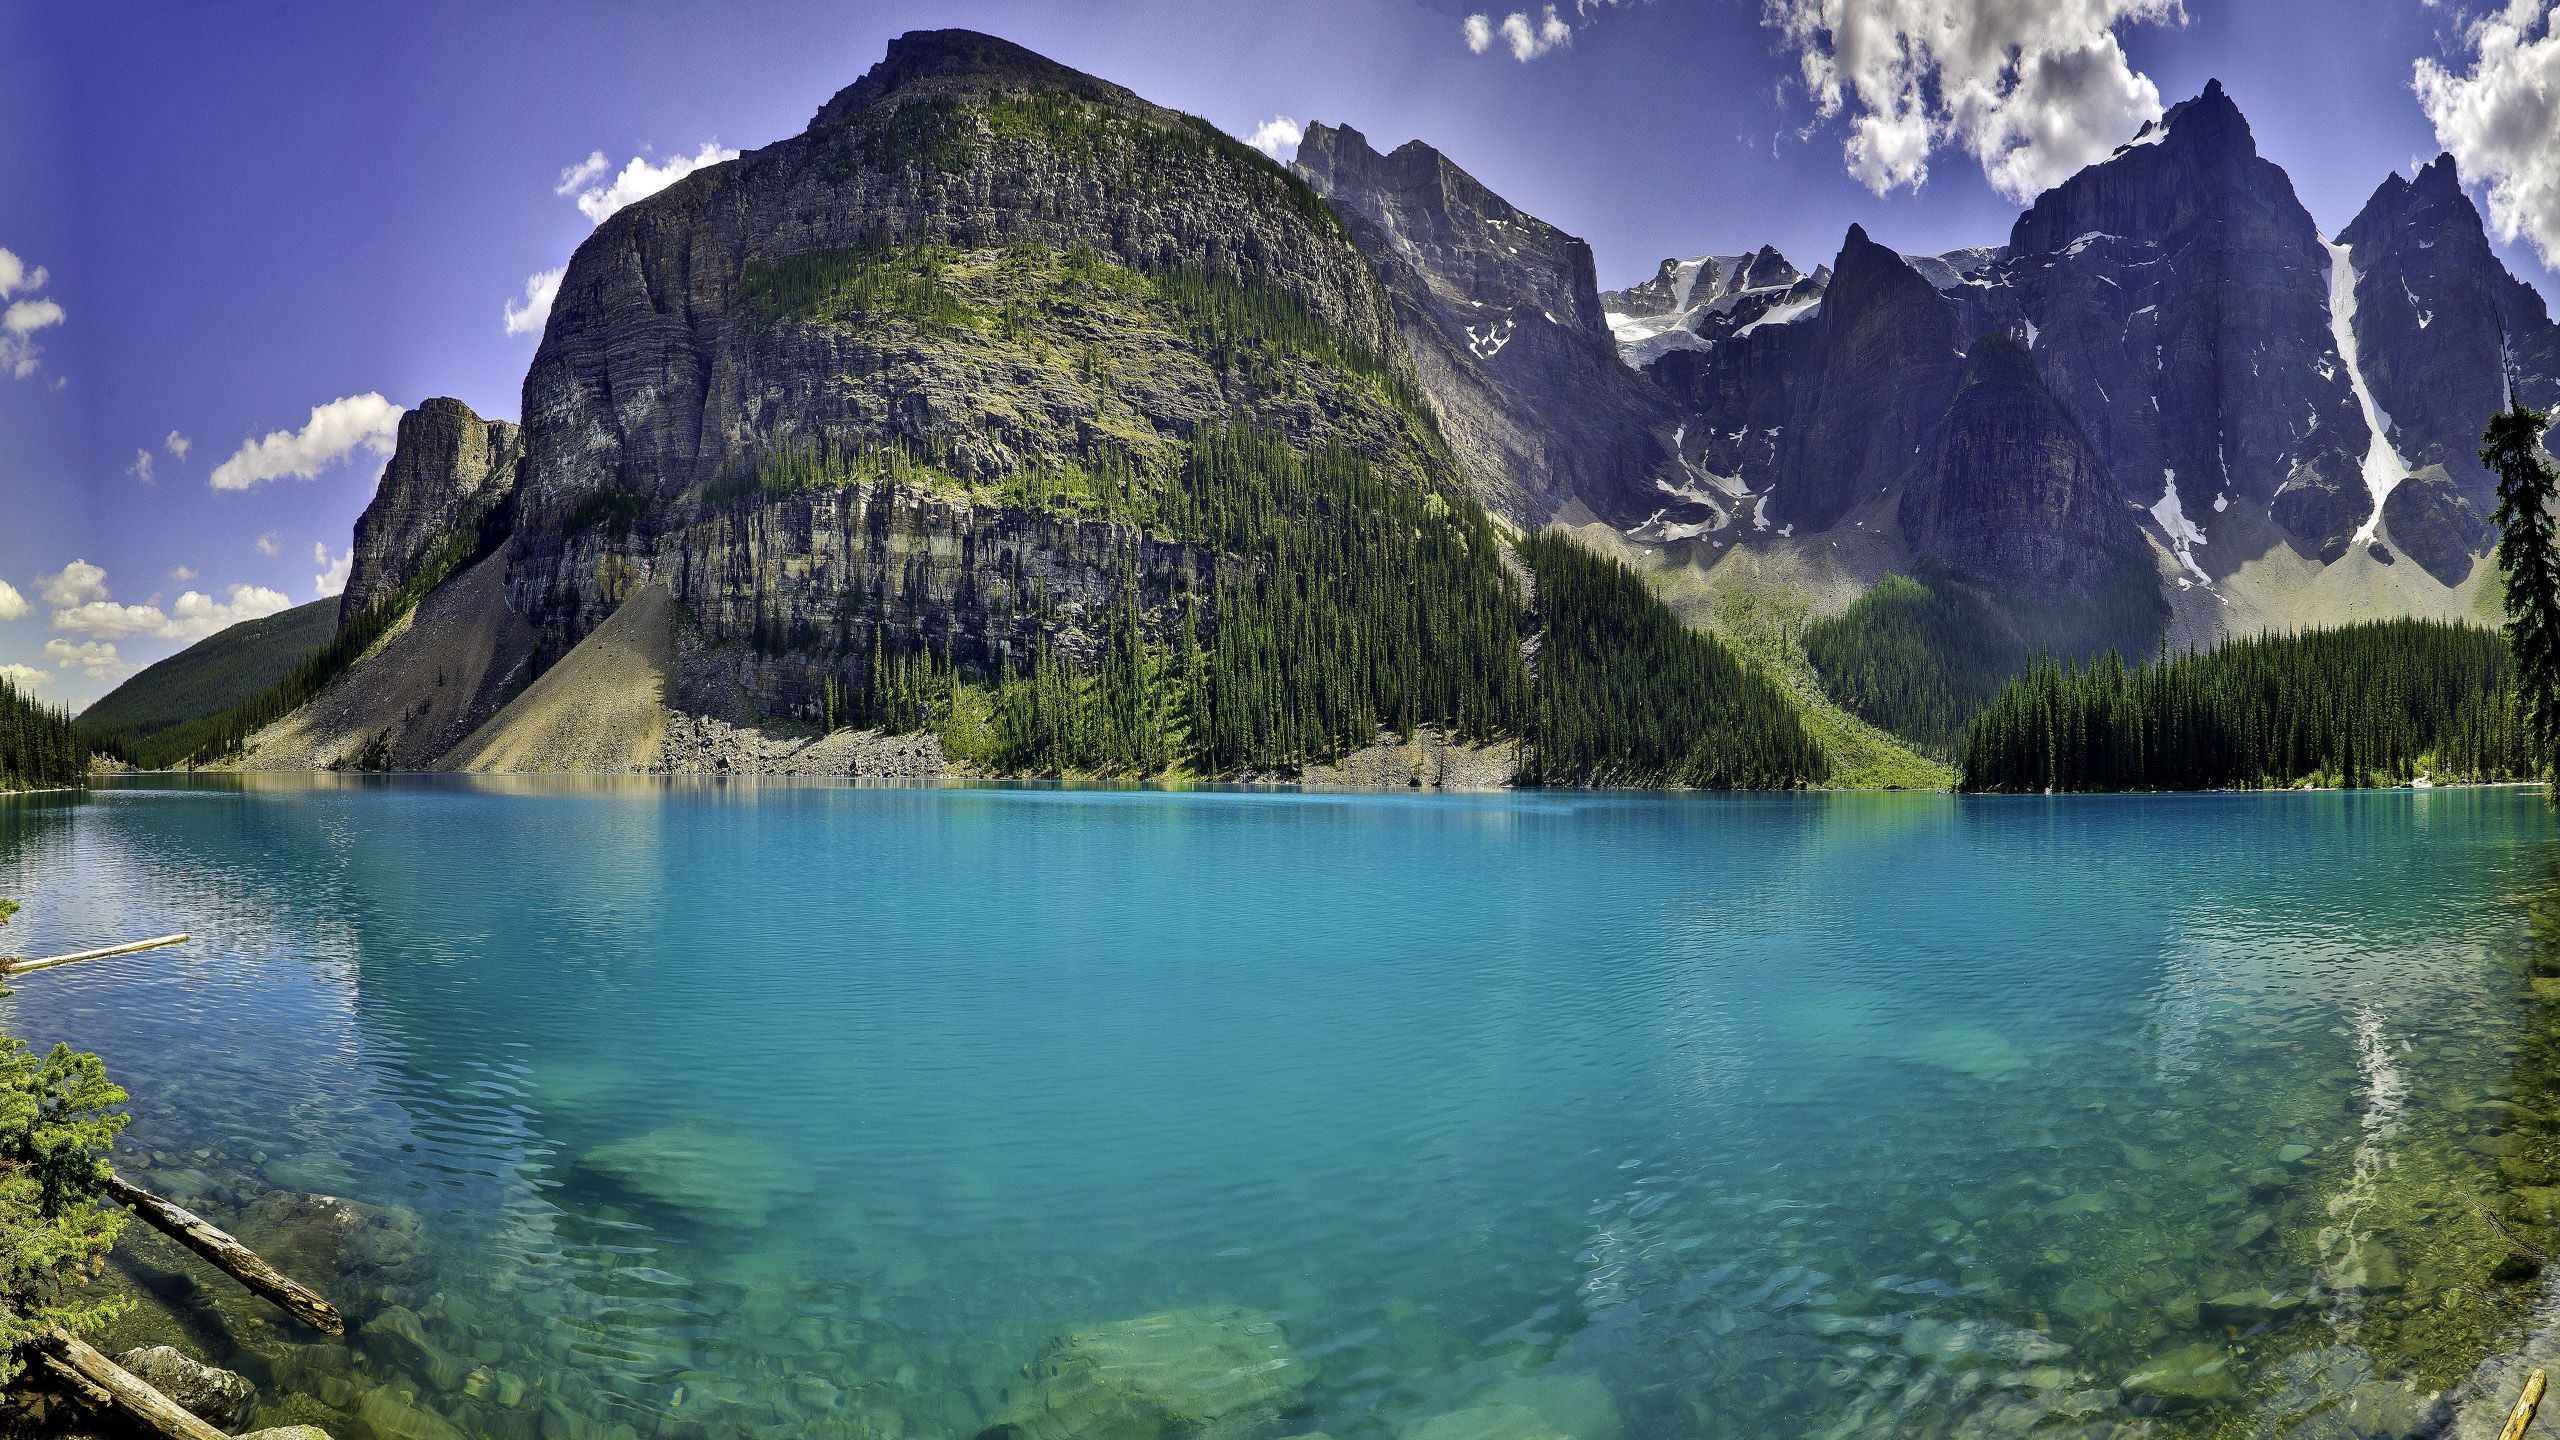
(212, 1394)
(1502, 315)
(446, 464)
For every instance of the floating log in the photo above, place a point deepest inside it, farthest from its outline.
(80, 1366)
(2522, 1416)
(229, 1256)
(9, 967)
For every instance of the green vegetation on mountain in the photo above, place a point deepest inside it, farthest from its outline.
(1627, 695)
(174, 706)
(1362, 605)
(1915, 660)
(2377, 703)
(40, 748)
(58, 1118)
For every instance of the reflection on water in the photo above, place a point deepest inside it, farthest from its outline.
(727, 1110)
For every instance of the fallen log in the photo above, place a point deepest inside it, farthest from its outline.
(2521, 1418)
(83, 1369)
(229, 1256)
(9, 967)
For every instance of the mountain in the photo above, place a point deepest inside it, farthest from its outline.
(1005, 422)
(1502, 315)
(2278, 416)
(162, 708)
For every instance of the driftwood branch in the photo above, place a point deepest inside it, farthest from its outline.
(85, 1371)
(9, 966)
(2521, 1417)
(229, 1256)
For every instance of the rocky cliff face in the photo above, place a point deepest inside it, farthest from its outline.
(2445, 335)
(1502, 315)
(2014, 503)
(446, 462)
(918, 374)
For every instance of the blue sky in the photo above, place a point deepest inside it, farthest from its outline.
(249, 210)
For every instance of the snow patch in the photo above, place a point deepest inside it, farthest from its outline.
(2184, 534)
(2383, 467)
(1786, 312)
(1486, 341)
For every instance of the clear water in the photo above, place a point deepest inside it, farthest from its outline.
(744, 1109)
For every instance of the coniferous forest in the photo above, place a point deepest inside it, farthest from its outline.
(39, 747)
(2380, 703)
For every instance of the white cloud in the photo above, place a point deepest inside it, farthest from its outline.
(1528, 41)
(178, 445)
(19, 324)
(639, 179)
(526, 317)
(586, 172)
(1528, 38)
(140, 469)
(270, 544)
(13, 606)
(335, 431)
(183, 573)
(1275, 135)
(192, 617)
(2499, 116)
(108, 620)
(17, 275)
(2032, 89)
(197, 615)
(332, 578)
(95, 658)
(23, 678)
(74, 584)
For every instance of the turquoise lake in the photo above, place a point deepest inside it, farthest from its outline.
(774, 1109)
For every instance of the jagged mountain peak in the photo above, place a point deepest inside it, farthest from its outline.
(953, 59)
(2196, 165)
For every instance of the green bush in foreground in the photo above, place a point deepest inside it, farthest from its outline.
(58, 1117)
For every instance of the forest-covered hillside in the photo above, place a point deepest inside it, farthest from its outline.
(2381, 703)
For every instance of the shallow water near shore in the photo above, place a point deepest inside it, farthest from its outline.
(753, 1109)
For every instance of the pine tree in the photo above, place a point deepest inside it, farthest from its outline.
(58, 1117)
(2512, 449)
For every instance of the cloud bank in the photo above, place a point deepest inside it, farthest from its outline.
(335, 431)
(2498, 116)
(2031, 89)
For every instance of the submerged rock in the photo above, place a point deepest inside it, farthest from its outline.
(289, 1432)
(2198, 1374)
(1225, 1373)
(213, 1395)
(1545, 1406)
(705, 1172)
(326, 1236)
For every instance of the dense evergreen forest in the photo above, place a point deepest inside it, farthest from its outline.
(40, 749)
(1914, 659)
(1365, 605)
(1627, 695)
(2377, 703)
